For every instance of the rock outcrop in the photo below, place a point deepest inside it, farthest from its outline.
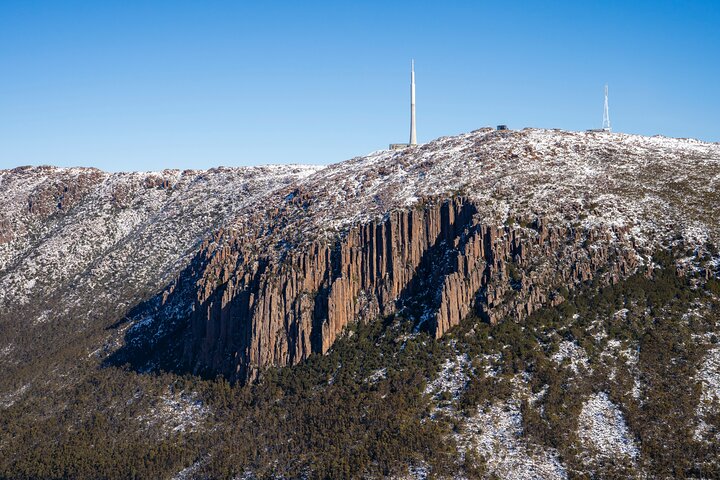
(6, 234)
(436, 263)
(80, 247)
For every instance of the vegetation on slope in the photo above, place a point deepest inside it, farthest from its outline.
(361, 410)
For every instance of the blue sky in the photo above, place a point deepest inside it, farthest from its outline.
(147, 85)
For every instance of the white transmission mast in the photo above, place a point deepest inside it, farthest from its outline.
(413, 135)
(606, 113)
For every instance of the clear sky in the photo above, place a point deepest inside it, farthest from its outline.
(147, 85)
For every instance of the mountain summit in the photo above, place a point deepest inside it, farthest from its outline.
(491, 223)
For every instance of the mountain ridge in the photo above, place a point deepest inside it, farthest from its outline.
(96, 234)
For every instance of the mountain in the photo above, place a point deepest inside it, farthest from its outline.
(522, 297)
(490, 222)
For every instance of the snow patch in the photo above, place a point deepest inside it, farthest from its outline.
(9, 399)
(602, 430)
(377, 375)
(178, 412)
(452, 378)
(572, 352)
(496, 433)
(709, 377)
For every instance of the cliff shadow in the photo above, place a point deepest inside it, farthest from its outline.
(156, 329)
(421, 297)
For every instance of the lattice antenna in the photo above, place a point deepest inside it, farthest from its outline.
(606, 113)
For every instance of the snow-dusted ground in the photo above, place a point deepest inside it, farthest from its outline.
(179, 412)
(629, 353)
(573, 353)
(188, 473)
(603, 432)
(88, 233)
(377, 375)
(101, 240)
(709, 377)
(119, 236)
(415, 472)
(653, 185)
(8, 399)
(451, 380)
(495, 433)
(164, 222)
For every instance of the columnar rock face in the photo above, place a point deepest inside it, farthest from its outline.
(6, 233)
(436, 263)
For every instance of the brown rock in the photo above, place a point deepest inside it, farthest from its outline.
(437, 263)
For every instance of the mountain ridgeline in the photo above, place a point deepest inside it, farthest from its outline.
(276, 286)
(231, 271)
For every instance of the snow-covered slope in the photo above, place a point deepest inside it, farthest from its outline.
(58, 223)
(67, 235)
(361, 236)
(79, 244)
(660, 186)
(138, 225)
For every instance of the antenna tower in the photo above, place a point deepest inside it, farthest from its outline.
(413, 136)
(606, 113)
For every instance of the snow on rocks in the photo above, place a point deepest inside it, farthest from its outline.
(581, 178)
(495, 433)
(573, 353)
(709, 377)
(602, 430)
(548, 162)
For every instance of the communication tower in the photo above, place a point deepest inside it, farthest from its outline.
(606, 113)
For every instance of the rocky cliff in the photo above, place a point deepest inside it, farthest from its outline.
(357, 265)
(438, 263)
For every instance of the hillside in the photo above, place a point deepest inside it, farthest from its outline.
(511, 303)
(80, 247)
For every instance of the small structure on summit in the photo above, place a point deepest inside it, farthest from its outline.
(413, 135)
